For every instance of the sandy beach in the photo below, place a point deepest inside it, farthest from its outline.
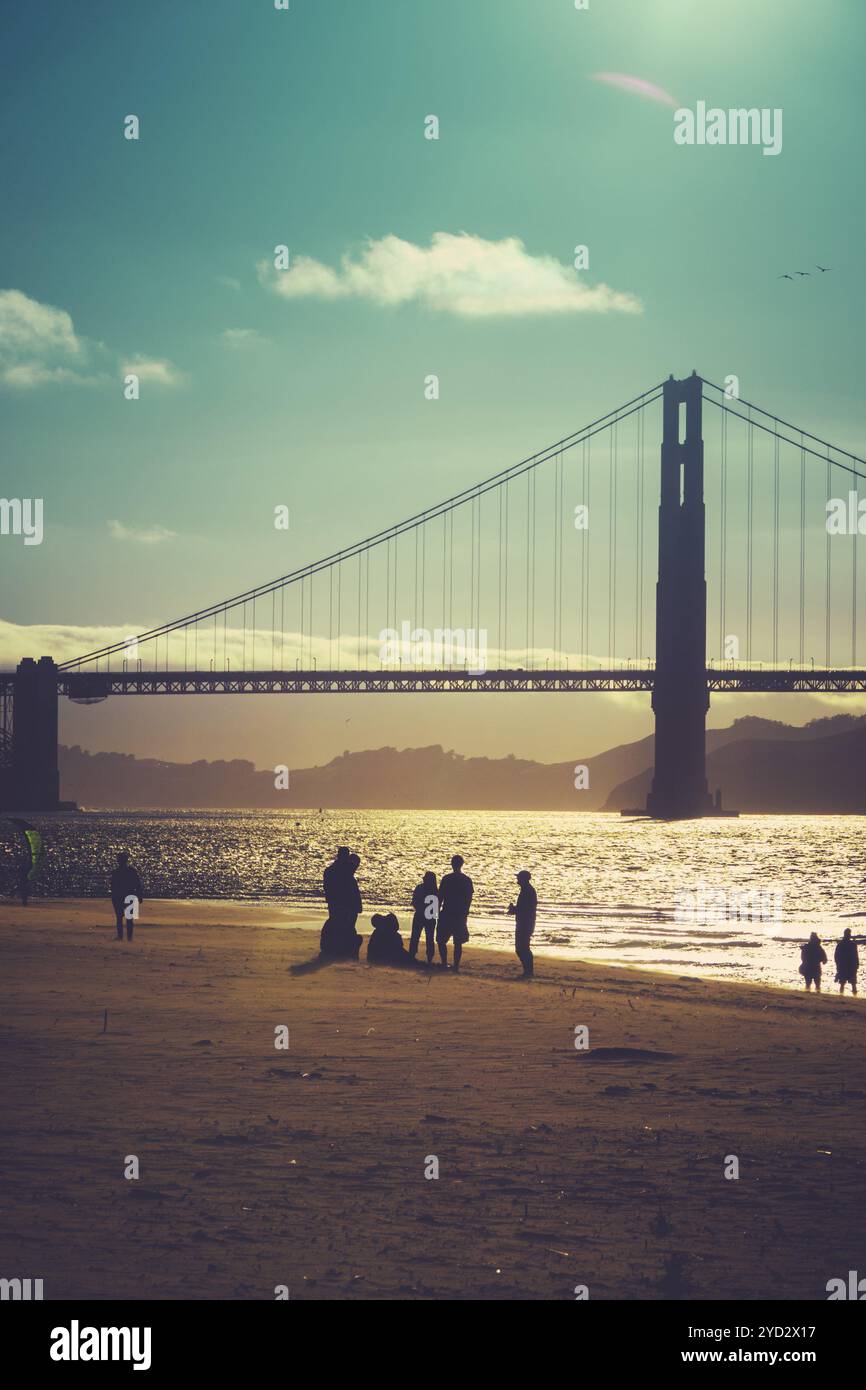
(305, 1167)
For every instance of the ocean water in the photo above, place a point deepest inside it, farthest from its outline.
(726, 898)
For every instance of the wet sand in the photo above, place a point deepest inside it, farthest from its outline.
(305, 1167)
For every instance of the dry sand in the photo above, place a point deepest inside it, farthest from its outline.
(305, 1167)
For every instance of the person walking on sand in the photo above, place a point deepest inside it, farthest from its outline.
(425, 901)
(812, 957)
(126, 895)
(847, 959)
(523, 912)
(455, 899)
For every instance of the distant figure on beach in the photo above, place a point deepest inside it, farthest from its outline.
(812, 957)
(425, 901)
(343, 896)
(847, 959)
(455, 899)
(126, 895)
(523, 912)
(29, 861)
(385, 946)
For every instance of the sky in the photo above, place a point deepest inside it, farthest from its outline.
(259, 389)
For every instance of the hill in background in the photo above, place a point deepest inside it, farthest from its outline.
(761, 765)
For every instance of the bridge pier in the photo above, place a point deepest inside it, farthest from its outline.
(681, 697)
(33, 779)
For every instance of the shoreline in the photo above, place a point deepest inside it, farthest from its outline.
(247, 913)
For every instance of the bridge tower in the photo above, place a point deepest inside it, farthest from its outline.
(34, 784)
(680, 697)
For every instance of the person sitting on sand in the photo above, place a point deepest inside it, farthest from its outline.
(126, 895)
(523, 913)
(455, 899)
(847, 959)
(425, 901)
(812, 957)
(385, 946)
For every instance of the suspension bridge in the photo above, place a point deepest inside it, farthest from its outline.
(578, 569)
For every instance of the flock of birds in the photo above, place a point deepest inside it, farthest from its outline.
(823, 268)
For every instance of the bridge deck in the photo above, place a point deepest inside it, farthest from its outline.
(84, 685)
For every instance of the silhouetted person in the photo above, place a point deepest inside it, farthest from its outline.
(524, 924)
(812, 957)
(425, 901)
(339, 938)
(847, 959)
(455, 899)
(353, 897)
(334, 880)
(385, 946)
(125, 886)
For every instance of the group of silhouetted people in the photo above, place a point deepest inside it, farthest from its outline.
(440, 915)
(846, 958)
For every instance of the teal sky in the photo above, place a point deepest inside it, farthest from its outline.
(306, 128)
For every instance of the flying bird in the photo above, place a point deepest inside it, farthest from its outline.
(784, 277)
(637, 86)
(802, 272)
(824, 268)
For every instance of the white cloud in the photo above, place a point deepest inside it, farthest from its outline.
(463, 275)
(228, 282)
(156, 371)
(39, 346)
(64, 642)
(27, 374)
(240, 337)
(145, 535)
(26, 326)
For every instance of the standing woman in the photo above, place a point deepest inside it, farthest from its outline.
(425, 900)
(812, 957)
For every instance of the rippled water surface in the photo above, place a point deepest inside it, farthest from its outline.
(608, 887)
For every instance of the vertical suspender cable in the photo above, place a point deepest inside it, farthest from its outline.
(749, 509)
(776, 547)
(854, 583)
(588, 555)
(802, 551)
(828, 578)
(723, 532)
(505, 587)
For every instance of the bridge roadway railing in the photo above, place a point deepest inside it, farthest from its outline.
(722, 679)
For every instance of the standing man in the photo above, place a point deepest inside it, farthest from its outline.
(847, 959)
(126, 895)
(455, 899)
(524, 922)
